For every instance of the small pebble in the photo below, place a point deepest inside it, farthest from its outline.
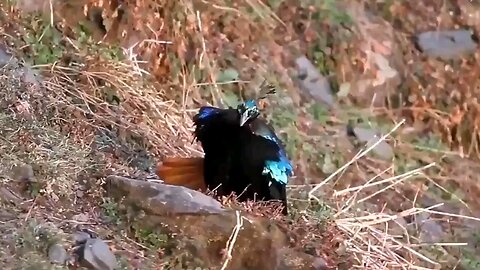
(57, 254)
(80, 193)
(319, 264)
(23, 173)
(81, 217)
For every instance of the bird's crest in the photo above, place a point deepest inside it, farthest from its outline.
(266, 89)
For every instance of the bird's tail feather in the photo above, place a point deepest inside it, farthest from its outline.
(187, 172)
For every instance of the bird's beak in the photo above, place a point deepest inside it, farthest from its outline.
(243, 119)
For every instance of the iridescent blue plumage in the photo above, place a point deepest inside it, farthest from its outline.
(280, 169)
(250, 103)
(206, 112)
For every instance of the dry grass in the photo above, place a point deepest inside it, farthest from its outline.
(145, 109)
(371, 236)
(55, 158)
(55, 161)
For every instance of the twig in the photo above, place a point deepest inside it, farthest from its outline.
(357, 157)
(233, 238)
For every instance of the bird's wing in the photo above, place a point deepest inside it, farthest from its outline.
(261, 128)
(281, 168)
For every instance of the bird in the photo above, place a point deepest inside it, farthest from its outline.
(243, 155)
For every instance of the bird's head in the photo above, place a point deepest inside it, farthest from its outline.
(248, 111)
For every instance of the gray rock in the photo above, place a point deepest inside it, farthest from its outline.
(314, 83)
(23, 173)
(79, 193)
(430, 230)
(320, 264)
(31, 76)
(82, 217)
(57, 254)
(365, 135)
(446, 44)
(161, 198)
(95, 254)
(8, 196)
(5, 58)
(176, 210)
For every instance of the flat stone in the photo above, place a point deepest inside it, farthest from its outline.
(446, 45)
(312, 82)
(369, 136)
(206, 226)
(163, 199)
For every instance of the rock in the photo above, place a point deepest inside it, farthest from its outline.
(32, 77)
(163, 199)
(95, 254)
(83, 217)
(57, 254)
(206, 226)
(428, 199)
(301, 261)
(23, 173)
(313, 83)
(446, 44)
(5, 57)
(430, 230)
(320, 264)
(365, 135)
(79, 193)
(8, 196)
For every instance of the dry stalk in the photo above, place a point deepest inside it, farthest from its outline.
(232, 239)
(353, 160)
(368, 235)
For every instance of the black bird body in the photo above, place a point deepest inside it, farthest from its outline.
(242, 153)
(216, 129)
